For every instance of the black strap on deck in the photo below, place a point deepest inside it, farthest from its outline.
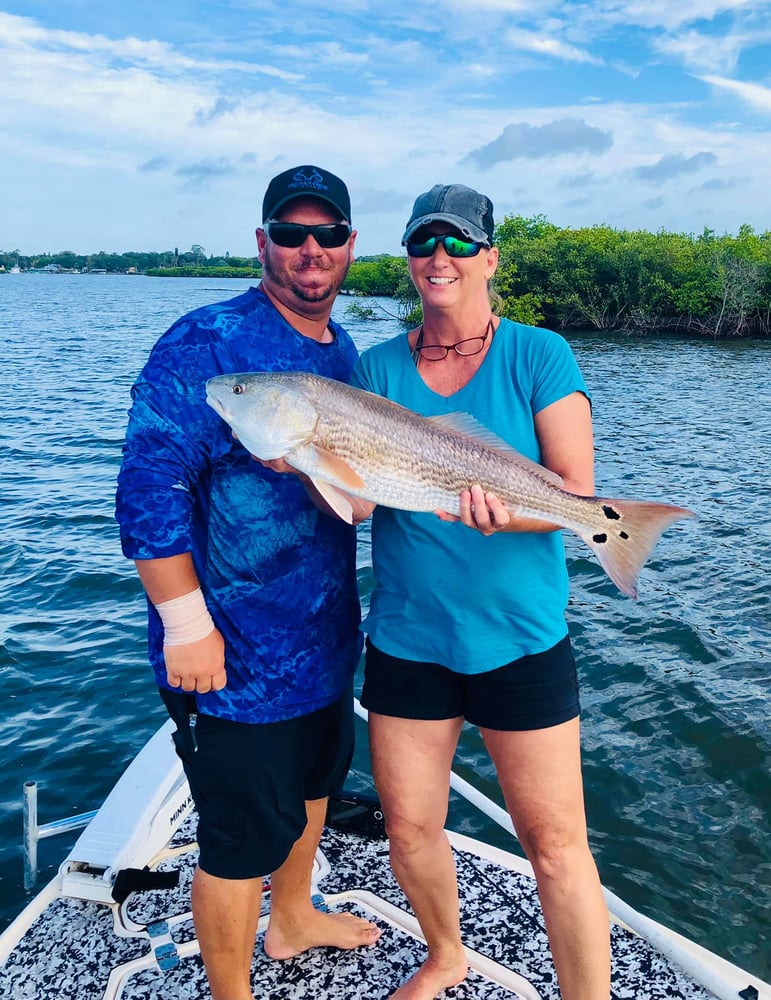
(130, 880)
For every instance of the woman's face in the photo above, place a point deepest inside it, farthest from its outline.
(442, 280)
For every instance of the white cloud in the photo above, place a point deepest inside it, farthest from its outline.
(713, 53)
(331, 53)
(568, 53)
(753, 93)
(24, 34)
(703, 51)
(666, 14)
(481, 70)
(543, 44)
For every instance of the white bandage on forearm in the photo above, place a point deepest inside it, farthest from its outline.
(185, 619)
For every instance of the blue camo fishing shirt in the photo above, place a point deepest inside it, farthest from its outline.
(279, 576)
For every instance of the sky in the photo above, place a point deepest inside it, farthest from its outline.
(151, 125)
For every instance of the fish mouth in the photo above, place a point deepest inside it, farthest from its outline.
(216, 404)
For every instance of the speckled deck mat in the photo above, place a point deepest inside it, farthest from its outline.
(72, 950)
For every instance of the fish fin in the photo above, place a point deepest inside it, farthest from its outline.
(336, 500)
(633, 528)
(333, 467)
(464, 423)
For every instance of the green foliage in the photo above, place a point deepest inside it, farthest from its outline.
(134, 261)
(386, 276)
(193, 271)
(634, 282)
(359, 310)
(525, 309)
(376, 276)
(412, 317)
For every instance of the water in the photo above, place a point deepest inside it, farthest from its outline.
(675, 687)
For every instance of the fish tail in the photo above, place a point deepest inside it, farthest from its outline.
(632, 529)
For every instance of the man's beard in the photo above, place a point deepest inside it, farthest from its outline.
(285, 279)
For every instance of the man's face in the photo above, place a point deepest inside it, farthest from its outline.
(307, 278)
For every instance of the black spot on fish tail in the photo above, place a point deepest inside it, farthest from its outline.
(626, 539)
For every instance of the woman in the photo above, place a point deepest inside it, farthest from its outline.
(469, 624)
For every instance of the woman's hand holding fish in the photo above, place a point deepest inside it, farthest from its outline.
(482, 511)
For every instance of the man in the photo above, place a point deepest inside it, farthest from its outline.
(252, 601)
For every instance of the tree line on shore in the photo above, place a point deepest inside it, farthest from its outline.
(593, 278)
(611, 280)
(134, 261)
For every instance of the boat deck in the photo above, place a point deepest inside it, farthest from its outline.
(145, 948)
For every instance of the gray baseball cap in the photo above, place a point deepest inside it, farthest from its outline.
(462, 207)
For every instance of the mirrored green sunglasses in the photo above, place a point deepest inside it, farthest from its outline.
(453, 246)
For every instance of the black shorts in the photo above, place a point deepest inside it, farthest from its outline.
(533, 692)
(250, 782)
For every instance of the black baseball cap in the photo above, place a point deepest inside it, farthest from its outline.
(460, 206)
(306, 182)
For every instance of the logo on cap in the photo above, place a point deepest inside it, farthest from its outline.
(314, 181)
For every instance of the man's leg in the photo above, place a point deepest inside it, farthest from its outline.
(295, 925)
(225, 913)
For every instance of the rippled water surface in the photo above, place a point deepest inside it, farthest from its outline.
(675, 686)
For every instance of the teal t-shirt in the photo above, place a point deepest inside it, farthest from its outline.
(443, 592)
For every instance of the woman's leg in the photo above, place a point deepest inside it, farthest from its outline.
(411, 762)
(540, 775)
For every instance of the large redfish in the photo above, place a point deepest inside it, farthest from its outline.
(350, 441)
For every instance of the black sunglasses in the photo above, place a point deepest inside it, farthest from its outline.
(453, 246)
(294, 234)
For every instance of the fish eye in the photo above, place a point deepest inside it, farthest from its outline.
(238, 389)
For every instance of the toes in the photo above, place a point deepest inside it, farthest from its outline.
(363, 932)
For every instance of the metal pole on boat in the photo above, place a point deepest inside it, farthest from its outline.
(34, 832)
(30, 834)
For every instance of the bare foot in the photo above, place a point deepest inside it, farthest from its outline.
(431, 978)
(318, 929)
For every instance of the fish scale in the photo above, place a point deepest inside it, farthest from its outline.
(348, 441)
